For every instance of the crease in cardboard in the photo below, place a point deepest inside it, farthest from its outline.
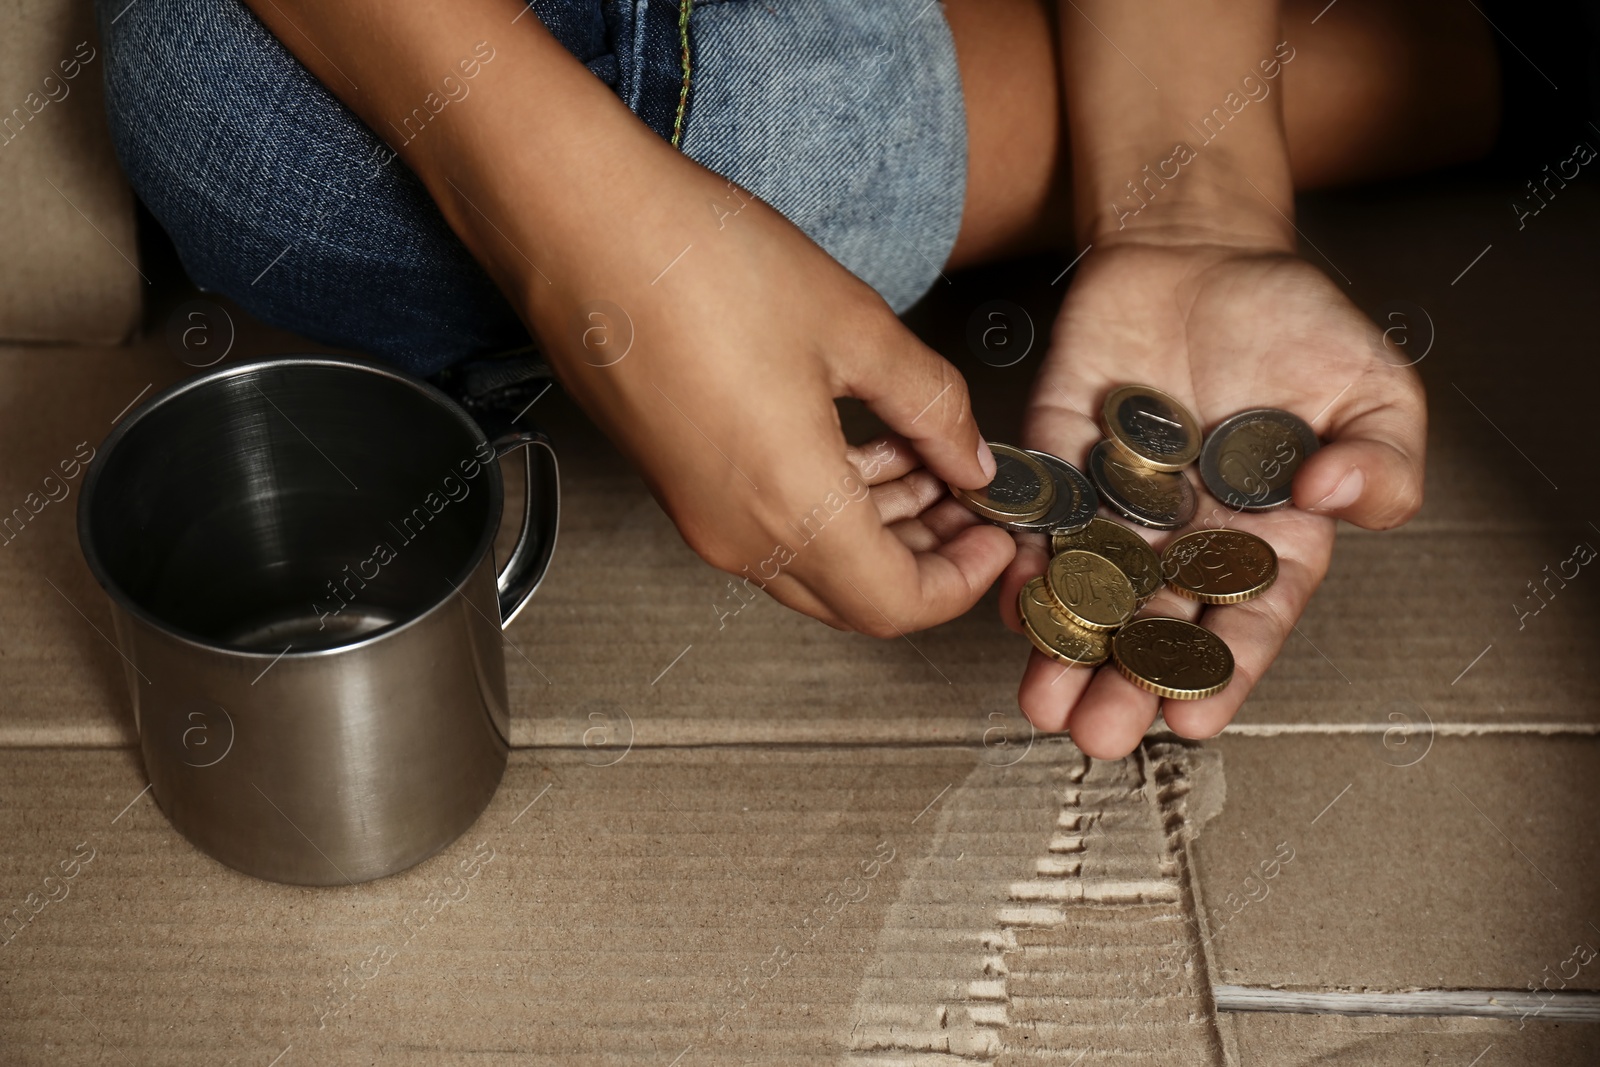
(570, 733)
(1440, 729)
(1434, 1003)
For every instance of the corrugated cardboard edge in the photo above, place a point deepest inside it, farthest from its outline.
(1110, 886)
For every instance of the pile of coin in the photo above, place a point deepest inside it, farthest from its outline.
(1080, 612)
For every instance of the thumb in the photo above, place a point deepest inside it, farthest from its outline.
(1370, 473)
(922, 396)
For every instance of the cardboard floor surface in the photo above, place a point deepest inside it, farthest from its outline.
(1439, 863)
(673, 886)
(721, 905)
(1274, 1040)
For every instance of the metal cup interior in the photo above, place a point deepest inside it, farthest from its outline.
(296, 503)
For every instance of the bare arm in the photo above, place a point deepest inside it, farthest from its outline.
(1142, 80)
(1182, 190)
(531, 165)
(725, 402)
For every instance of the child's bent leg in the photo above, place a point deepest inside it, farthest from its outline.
(1018, 196)
(280, 198)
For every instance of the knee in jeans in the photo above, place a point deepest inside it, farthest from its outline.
(277, 195)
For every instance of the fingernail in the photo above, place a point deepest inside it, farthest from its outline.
(1347, 492)
(986, 459)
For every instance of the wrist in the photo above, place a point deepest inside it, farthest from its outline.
(1202, 159)
(1189, 194)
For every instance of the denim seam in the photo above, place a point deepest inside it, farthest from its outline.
(683, 92)
(636, 86)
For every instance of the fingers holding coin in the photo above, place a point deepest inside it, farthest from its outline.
(907, 496)
(868, 547)
(1135, 590)
(883, 458)
(909, 499)
(943, 522)
(884, 586)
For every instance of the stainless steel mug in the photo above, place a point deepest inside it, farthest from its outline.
(299, 556)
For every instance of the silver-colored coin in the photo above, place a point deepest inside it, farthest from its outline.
(1162, 500)
(1249, 461)
(1076, 499)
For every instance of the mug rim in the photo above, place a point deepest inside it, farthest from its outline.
(122, 600)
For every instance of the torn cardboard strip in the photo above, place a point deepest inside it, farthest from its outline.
(1085, 945)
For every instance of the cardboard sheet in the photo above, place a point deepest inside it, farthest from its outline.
(1272, 1040)
(648, 901)
(70, 271)
(723, 905)
(1440, 863)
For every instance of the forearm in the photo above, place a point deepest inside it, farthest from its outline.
(1175, 121)
(533, 161)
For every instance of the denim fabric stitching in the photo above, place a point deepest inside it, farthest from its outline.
(683, 94)
(636, 83)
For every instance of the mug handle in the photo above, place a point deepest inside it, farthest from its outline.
(541, 512)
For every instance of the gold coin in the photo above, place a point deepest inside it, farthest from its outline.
(1219, 566)
(1172, 658)
(1152, 426)
(1131, 553)
(1092, 590)
(1052, 633)
(1022, 489)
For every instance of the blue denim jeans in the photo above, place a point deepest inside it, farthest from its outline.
(847, 117)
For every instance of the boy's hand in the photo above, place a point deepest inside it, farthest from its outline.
(725, 404)
(1222, 329)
